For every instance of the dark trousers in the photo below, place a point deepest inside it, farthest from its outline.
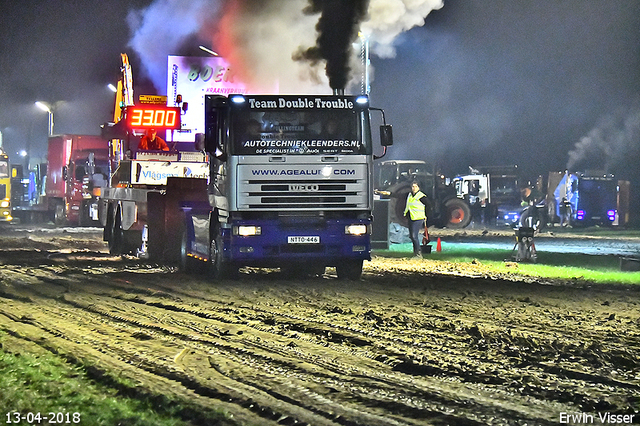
(415, 226)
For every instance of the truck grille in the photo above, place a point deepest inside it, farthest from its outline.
(299, 192)
(309, 193)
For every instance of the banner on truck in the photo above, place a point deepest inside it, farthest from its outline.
(193, 78)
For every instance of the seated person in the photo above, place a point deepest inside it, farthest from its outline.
(152, 142)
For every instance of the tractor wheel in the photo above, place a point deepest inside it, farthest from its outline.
(457, 213)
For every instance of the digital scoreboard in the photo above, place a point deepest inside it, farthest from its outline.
(153, 117)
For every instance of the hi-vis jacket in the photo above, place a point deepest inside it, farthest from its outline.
(415, 207)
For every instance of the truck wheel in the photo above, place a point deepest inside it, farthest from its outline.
(59, 215)
(108, 225)
(116, 241)
(188, 264)
(457, 213)
(218, 266)
(83, 215)
(349, 270)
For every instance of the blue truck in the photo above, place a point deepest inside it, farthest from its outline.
(290, 186)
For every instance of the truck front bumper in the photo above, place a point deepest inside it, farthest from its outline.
(274, 243)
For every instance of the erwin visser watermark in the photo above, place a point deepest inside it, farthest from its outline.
(598, 418)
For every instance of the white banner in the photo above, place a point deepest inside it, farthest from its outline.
(156, 172)
(193, 77)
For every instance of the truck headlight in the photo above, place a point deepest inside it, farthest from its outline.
(356, 229)
(4, 204)
(247, 230)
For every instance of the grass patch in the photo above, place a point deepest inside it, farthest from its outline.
(599, 269)
(44, 383)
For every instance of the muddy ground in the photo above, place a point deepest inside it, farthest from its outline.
(415, 342)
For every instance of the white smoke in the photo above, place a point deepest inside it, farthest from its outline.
(160, 30)
(389, 18)
(609, 144)
(266, 38)
(265, 42)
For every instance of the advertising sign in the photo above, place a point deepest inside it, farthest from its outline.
(156, 172)
(193, 78)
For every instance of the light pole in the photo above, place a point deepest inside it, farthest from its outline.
(209, 51)
(46, 108)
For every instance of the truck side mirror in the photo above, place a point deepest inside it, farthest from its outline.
(65, 172)
(386, 135)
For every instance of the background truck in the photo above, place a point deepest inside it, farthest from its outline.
(290, 185)
(66, 188)
(493, 192)
(139, 206)
(590, 198)
(393, 182)
(127, 204)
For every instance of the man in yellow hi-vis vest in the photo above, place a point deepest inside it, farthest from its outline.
(415, 211)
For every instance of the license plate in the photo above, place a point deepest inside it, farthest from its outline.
(304, 240)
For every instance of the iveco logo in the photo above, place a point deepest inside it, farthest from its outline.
(303, 188)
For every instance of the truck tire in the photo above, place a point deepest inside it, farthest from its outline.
(219, 267)
(178, 190)
(188, 264)
(349, 270)
(108, 224)
(156, 226)
(59, 214)
(457, 213)
(116, 240)
(83, 215)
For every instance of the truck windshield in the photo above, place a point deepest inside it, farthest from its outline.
(100, 170)
(308, 131)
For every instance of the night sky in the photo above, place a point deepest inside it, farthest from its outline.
(545, 85)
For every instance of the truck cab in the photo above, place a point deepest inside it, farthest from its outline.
(290, 185)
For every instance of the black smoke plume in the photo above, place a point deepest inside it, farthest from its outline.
(337, 29)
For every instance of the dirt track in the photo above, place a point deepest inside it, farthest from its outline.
(412, 343)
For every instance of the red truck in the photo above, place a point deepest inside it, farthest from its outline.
(76, 171)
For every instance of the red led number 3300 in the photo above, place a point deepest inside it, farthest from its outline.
(157, 117)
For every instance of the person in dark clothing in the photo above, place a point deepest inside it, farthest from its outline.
(530, 196)
(416, 211)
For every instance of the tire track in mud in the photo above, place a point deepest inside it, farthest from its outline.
(333, 406)
(294, 348)
(535, 351)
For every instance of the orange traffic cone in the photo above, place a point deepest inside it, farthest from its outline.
(438, 245)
